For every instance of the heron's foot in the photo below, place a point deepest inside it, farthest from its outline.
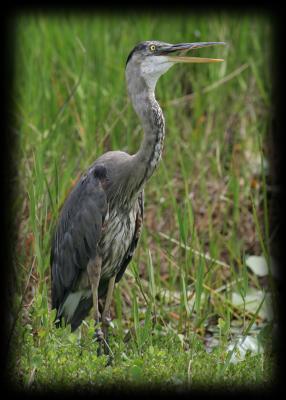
(99, 349)
(106, 324)
(109, 360)
(98, 337)
(101, 337)
(108, 352)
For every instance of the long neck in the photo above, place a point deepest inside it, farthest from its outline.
(132, 176)
(149, 154)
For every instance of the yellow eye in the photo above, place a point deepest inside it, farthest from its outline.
(152, 47)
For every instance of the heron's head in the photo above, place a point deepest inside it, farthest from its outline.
(151, 59)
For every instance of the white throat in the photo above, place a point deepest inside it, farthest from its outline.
(152, 68)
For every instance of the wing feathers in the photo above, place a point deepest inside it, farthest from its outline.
(77, 234)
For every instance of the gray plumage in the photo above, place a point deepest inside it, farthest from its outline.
(100, 223)
(89, 223)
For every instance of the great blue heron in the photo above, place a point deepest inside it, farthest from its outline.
(100, 222)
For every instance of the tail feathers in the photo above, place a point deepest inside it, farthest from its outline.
(75, 308)
(77, 305)
(85, 305)
(81, 312)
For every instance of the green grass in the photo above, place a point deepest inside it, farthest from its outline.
(205, 208)
(165, 361)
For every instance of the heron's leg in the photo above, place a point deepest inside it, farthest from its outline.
(106, 313)
(94, 271)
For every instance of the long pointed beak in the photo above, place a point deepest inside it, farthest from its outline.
(184, 47)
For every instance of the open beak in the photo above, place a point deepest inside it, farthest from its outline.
(184, 47)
